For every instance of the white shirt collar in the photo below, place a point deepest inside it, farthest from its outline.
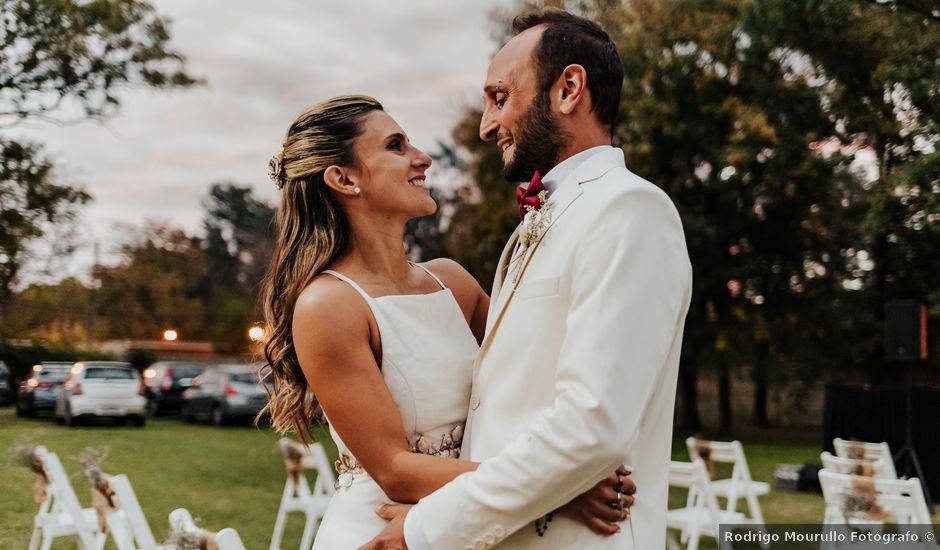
(556, 175)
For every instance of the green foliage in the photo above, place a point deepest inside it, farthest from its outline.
(754, 116)
(155, 288)
(58, 312)
(56, 55)
(53, 51)
(140, 358)
(237, 249)
(31, 202)
(21, 357)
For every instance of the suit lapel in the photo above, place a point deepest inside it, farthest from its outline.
(507, 279)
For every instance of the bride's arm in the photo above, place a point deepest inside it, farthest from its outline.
(331, 330)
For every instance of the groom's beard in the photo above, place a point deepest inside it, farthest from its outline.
(538, 141)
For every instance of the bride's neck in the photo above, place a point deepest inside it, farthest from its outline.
(378, 250)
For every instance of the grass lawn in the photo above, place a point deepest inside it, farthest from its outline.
(226, 477)
(233, 476)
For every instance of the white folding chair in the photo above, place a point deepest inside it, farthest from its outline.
(701, 516)
(128, 525)
(228, 539)
(740, 485)
(898, 501)
(867, 451)
(855, 466)
(904, 498)
(130, 530)
(60, 514)
(298, 497)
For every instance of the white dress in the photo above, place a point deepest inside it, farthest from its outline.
(427, 362)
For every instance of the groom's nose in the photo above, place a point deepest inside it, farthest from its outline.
(488, 126)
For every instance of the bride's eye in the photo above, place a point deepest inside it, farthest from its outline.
(395, 145)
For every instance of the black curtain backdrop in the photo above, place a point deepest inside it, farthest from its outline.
(879, 414)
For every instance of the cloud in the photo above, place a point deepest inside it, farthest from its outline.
(264, 63)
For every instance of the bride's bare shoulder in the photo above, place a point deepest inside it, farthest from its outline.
(326, 300)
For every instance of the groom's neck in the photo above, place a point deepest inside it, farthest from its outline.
(583, 138)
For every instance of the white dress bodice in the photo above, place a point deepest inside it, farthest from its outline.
(428, 352)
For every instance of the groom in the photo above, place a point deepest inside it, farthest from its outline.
(577, 372)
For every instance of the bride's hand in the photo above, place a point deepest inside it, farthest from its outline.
(605, 504)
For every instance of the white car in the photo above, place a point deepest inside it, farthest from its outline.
(101, 389)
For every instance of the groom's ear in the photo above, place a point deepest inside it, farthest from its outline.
(571, 89)
(341, 180)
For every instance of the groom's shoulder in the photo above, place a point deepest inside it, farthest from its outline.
(619, 190)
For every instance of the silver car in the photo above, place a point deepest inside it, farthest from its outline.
(101, 389)
(223, 393)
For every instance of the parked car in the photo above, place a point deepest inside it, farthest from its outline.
(165, 382)
(102, 389)
(37, 393)
(6, 385)
(224, 393)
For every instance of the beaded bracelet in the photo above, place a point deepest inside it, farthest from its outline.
(541, 524)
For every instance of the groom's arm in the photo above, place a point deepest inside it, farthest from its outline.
(629, 288)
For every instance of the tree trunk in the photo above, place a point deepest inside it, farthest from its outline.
(761, 384)
(688, 385)
(724, 396)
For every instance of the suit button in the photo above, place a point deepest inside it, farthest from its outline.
(499, 531)
(479, 544)
(489, 538)
(474, 402)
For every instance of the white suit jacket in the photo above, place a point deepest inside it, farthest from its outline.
(577, 371)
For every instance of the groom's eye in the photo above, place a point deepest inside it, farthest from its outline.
(500, 99)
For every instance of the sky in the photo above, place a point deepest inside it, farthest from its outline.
(264, 63)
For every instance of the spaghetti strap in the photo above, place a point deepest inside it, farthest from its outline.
(351, 283)
(433, 276)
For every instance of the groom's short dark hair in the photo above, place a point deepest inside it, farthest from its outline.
(571, 39)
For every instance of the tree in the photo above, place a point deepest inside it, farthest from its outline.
(874, 65)
(713, 115)
(238, 244)
(59, 57)
(53, 52)
(156, 287)
(30, 202)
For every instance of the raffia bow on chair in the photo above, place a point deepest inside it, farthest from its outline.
(293, 458)
(861, 501)
(855, 450)
(26, 455)
(704, 449)
(186, 535)
(102, 499)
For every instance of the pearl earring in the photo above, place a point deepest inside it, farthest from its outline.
(357, 190)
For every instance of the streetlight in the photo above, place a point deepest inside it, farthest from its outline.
(256, 333)
(170, 335)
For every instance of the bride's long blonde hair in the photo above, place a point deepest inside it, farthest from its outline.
(312, 231)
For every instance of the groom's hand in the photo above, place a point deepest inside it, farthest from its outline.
(393, 536)
(604, 505)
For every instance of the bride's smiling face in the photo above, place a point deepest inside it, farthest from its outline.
(391, 171)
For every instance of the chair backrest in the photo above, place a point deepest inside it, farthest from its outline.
(316, 459)
(903, 498)
(694, 477)
(728, 452)
(867, 451)
(64, 499)
(228, 539)
(854, 466)
(126, 501)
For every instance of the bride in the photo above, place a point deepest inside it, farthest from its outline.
(383, 345)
